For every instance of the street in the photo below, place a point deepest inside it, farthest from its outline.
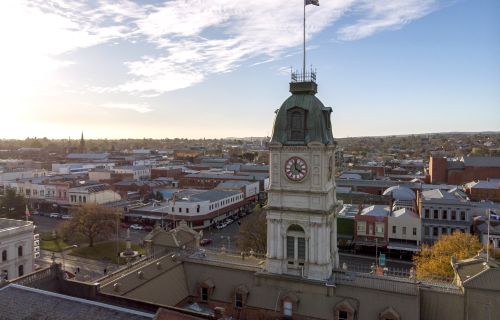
(227, 238)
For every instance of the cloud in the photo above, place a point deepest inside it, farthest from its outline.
(385, 14)
(180, 43)
(141, 108)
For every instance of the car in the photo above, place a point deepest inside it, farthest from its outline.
(148, 228)
(229, 221)
(136, 227)
(54, 215)
(221, 225)
(125, 225)
(205, 242)
(66, 216)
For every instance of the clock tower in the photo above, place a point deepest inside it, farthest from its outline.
(302, 205)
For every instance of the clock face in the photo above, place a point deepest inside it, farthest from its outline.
(295, 168)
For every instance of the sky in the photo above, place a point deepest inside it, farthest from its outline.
(220, 68)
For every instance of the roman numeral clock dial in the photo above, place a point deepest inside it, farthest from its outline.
(295, 169)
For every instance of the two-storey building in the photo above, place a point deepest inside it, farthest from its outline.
(18, 245)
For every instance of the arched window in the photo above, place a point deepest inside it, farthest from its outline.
(20, 251)
(4, 255)
(295, 245)
(296, 123)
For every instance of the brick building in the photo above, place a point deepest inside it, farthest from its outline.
(463, 170)
(484, 190)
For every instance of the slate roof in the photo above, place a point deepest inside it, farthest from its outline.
(482, 161)
(316, 127)
(18, 302)
(233, 184)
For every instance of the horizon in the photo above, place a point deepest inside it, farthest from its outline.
(219, 69)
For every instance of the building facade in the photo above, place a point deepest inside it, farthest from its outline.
(18, 246)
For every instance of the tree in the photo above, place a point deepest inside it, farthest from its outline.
(93, 222)
(253, 232)
(12, 205)
(435, 261)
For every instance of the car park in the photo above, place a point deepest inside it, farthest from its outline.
(136, 227)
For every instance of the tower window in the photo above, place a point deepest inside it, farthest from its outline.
(296, 123)
(295, 245)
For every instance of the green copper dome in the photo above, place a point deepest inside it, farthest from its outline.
(302, 118)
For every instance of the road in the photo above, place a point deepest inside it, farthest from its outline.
(227, 237)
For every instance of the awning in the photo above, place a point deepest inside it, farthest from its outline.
(403, 246)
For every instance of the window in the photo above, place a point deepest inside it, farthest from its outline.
(20, 270)
(436, 214)
(238, 300)
(187, 210)
(180, 210)
(342, 315)
(427, 231)
(173, 209)
(84, 199)
(4, 255)
(204, 294)
(404, 230)
(462, 215)
(445, 215)
(295, 245)
(435, 231)
(296, 123)
(361, 226)
(287, 308)
(20, 251)
(79, 198)
(198, 208)
(301, 246)
(290, 247)
(393, 229)
(453, 215)
(379, 228)
(414, 231)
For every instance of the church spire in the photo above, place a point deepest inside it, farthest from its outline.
(82, 144)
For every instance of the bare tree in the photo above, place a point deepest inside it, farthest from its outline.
(253, 232)
(93, 222)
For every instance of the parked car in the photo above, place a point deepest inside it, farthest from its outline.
(148, 228)
(205, 242)
(221, 225)
(54, 215)
(125, 225)
(66, 216)
(136, 227)
(229, 221)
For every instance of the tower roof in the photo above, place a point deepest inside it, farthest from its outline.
(302, 118)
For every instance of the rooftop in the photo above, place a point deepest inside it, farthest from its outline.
(19, 302)
(11, 224)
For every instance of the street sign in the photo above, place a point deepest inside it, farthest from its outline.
(381, 259)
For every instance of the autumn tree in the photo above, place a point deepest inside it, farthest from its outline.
(253, 232)
(91, 221)
(434, 261)
(12, 204)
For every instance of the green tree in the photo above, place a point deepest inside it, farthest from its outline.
(435, 261)
(12, 204)
(93, 222)
(253, 232)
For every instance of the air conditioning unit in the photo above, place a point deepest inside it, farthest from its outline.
(36, 242)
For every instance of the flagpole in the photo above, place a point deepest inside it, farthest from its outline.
(304, 47)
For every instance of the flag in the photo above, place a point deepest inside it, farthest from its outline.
(494, 215)
(27, 212)
(314, 2)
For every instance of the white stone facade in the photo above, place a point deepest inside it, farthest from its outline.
(301, 215)
(17, 248)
